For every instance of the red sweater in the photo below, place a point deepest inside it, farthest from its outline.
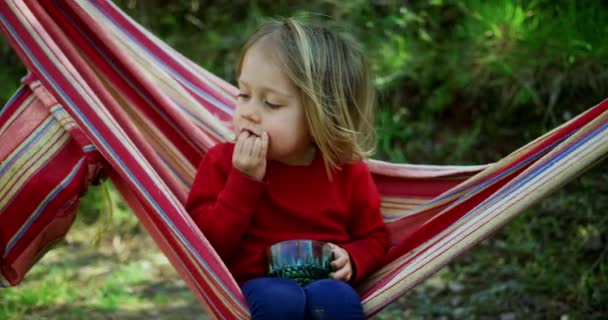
(242, 217)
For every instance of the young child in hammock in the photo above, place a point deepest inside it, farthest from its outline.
(304, 125)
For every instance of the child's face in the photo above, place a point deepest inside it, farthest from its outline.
(269, 102)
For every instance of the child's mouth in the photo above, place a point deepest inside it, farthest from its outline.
(251, 132)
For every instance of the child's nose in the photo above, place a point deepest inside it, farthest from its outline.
(251, 114)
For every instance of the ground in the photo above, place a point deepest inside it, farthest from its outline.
(118, 277)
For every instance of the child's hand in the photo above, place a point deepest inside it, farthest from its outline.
(343, 269)
(249, 155)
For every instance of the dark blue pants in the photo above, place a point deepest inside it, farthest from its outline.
(275, 298)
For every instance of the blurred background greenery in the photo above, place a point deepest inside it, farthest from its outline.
(459, 82)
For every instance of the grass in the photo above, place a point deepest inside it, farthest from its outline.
(121, 278)
(119, 274)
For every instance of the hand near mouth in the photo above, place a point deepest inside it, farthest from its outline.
(249, 156)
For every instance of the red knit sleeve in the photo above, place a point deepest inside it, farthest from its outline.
(368, 233)
(222, 200)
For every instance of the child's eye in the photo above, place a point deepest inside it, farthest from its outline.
(272, 105)
(242, 96)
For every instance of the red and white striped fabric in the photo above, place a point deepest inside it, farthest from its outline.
(152, 114)
(46, 166)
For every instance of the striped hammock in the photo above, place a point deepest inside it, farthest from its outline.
(104, 93)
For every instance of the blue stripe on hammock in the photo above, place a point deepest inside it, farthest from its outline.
(33, 138)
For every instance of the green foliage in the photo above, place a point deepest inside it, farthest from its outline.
(102, 205)
(518, 67)
(12, 70)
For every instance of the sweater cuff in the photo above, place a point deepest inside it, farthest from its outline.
(242, 191)
(358, 263)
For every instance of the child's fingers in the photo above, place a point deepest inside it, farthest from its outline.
(238, 147)
(342, 274)
(265, 141)
(247, 155)
(339, 262)
(256, 151)
(247, 146)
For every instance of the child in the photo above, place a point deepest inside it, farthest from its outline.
(304, 125)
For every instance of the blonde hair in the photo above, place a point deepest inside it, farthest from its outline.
(332, 75)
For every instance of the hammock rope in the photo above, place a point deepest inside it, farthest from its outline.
(150, 114)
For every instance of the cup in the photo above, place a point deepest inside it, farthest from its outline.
(303, 261)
